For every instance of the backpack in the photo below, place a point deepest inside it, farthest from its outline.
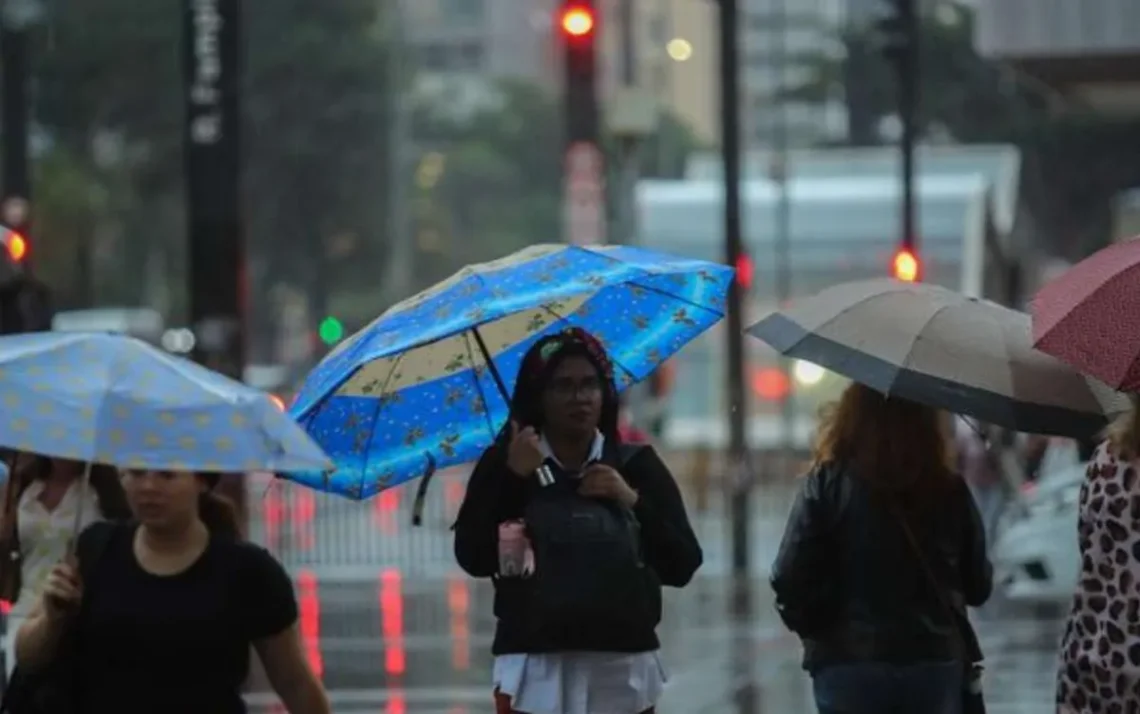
(589, 565)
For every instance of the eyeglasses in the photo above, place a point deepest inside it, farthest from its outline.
(567, 388)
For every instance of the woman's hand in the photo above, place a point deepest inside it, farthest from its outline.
(62, 592)
(601, 481)
(524, 455)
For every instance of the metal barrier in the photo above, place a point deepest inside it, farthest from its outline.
(385, 607)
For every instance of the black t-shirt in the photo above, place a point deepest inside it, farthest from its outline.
(178, 643)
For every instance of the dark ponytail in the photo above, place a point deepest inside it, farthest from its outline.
(219, 515)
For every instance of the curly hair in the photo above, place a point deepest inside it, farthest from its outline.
(893, 443)
(1123, 435)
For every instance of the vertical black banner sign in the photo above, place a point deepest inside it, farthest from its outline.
(211, 41)
(211, 55)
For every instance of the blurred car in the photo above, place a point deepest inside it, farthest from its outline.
(1035, 555)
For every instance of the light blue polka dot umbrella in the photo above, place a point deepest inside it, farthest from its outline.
(112, 399)
(424, 386)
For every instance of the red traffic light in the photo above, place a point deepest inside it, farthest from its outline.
(577, 21)
(906, 266)
(17, 246)
(745, 271)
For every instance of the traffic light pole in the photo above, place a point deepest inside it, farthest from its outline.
(783, 258)
(739, 513)
(584, 182)
(211, 56)
(14, 73)
(908, 73)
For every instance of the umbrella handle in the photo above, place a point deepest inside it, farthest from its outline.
(84, 484)
(491, 365)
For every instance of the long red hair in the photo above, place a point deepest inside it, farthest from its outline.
(892, 443)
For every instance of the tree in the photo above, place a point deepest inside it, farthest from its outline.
(499, 182)
(315, 107)
(970, 97)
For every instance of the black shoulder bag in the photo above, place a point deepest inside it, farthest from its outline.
(972, 700)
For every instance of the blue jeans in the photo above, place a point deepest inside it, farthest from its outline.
(877, 688)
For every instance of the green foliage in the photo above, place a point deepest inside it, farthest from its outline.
(974, 99)
(1074, 160)
(500, 187)
(315, 107)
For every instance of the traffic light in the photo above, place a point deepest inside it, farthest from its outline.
(16, 246)
(578, 31)
(331, 330)
(745, 272)
(896, 32)
(906, 266)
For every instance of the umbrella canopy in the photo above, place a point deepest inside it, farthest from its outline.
(938, 347)
(1089, 316)
(426, 385)
(112, 399)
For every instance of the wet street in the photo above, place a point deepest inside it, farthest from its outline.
(394, 627)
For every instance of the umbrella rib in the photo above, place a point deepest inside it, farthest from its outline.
(479, 385)
(376, 416)
(676, 297)
(904, 364)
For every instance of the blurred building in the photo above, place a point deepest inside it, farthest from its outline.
(1087, 50)
(482, 38)
(968, 198)
(676, 57)
(782, 43)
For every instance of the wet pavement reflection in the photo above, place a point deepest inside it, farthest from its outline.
(393, 627)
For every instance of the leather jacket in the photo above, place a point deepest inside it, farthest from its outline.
(847, 580)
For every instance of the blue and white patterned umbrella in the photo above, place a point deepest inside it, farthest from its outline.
(116, 400)
(412, 391)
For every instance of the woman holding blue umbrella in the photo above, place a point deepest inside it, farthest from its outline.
(578, 533)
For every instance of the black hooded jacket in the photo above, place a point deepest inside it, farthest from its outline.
(495, 495)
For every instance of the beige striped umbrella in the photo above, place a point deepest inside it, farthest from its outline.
(938, 347)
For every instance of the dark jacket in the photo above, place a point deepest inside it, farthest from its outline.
(495, 495)
(847, 581)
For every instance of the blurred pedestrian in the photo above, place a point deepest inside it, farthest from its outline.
(627, 429)
(159, 614)
(882, 549)
(978, 462)
(43, 501)
(1100, 650)
(578, 533)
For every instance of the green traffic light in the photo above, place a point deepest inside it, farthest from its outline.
(331, 331)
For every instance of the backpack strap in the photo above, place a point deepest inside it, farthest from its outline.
(627, 452)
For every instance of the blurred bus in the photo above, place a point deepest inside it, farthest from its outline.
(143, 323)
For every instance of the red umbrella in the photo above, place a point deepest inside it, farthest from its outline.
(1089, 317)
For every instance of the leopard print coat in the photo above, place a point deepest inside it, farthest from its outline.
(1100, 652)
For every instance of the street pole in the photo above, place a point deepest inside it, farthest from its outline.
(783, 226)
(734, 324)
(211, 64)
(908, 109)
(399, 280)
(629, 144)
(15, 18)
(743, 654)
